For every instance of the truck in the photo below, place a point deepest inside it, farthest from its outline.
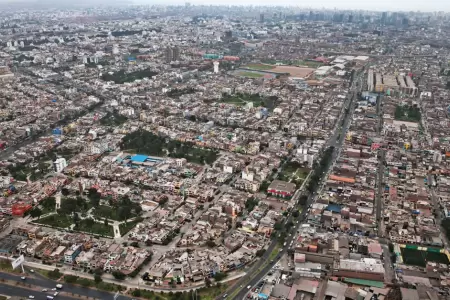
(59, 286)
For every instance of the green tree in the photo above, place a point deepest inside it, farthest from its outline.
(278, 226)
(219, 276)
(97, 278)
(36, 212)
(295, 214)
(119, 275)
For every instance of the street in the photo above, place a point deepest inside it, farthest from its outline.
(18, 291)
(42, 282)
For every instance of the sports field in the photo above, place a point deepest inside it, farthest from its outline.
(419, 257)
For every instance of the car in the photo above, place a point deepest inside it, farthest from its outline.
(241, 286)
(31, 297)
(23, 278)
(55, 294)
(44, 290)
(224, 296)
(53, 289)
(32, 271)
(248, 287)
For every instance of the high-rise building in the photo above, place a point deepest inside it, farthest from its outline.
(176, 53)
(216, 67)
(59, 164)
(168, 54)
(261, 18)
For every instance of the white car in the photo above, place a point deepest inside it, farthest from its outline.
(53, 289)
(55, 294)
(23, 278)
(32, 271)
(44, 290)
(31, 297)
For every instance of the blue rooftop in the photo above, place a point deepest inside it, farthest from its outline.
(139, 158)
(334, 208)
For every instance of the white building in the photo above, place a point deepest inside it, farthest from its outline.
(59, 164)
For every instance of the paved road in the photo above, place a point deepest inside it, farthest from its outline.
(69, 288)
(9, 290)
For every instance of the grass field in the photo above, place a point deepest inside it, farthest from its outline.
(260, 67)
(250, 74)
(293, 172)
(56, 220)
(420, 258)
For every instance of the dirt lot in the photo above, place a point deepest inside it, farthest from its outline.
(294, 71)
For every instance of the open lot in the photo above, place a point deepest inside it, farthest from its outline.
(293, 71)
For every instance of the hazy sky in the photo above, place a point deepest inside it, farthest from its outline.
(404, 5)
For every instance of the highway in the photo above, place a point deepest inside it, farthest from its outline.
(18, 291)
(42, 282)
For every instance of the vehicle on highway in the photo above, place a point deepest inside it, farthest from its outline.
(59, 286)
(44, 290)
(248, 287)
(55, 294)
(23, 278)
(31, 297)
(50, 297)
(224, 296)
(32, 271)
(53, 289)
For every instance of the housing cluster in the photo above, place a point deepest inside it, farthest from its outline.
(242, 152)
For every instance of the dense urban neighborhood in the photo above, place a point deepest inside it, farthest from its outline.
(224, 152)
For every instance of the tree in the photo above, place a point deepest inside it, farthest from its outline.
(295, 214)
(89, 222)
(210, 243)
(76, 218)
(220, 276)
(148, 243)
(49, 203)
(260, 252)
(163, 200)
(278, 226)
(36, 212)
(119, 275)
(134, 244)
(97, 279)
(65, 192)
(124, 212)
(136, 293)
(55, 274)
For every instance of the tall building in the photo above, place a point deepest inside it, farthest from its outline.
(168, 54)
(261, 18)
(176, 53)
(216, 67)
(59, 164)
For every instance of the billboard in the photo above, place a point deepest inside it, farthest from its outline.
(17, 262)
